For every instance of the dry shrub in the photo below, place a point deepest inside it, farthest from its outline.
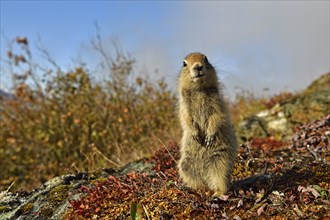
(245, 105)
(67, 122)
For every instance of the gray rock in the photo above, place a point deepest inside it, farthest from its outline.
(51, 201)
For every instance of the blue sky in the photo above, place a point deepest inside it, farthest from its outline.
(64, 26)
(281, 45)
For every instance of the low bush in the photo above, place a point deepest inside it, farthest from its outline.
(67, 122)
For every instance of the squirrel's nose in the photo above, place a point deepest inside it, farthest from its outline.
(198, 68)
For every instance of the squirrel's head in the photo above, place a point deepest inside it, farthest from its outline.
(197, 69)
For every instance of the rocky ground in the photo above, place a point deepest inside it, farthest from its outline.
(272, 180)
(287, 111)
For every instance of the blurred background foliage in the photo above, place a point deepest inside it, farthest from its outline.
(57, 122)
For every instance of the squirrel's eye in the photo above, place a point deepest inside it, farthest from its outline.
(206, 60)
(184, 64)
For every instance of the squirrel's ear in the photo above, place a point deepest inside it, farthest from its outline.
(184, 63)
(205, 59)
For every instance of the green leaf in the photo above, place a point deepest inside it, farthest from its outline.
(136, 211)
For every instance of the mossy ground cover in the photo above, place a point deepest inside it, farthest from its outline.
(271, 180)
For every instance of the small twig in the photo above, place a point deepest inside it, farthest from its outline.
(313, 152)
(162, 174)
(146, 211)
(105, 157)
(75, 167)
(3, 193)
(162, 143)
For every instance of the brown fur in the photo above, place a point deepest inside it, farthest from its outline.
(208, 145)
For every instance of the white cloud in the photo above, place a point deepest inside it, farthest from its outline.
(274, 44)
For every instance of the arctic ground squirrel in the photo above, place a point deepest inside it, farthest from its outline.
(208, 146)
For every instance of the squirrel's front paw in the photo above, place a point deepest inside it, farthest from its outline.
(209, 140)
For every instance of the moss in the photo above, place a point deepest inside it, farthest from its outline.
(27, 208)
(101, 179)
(46, 211)
(58, 194)
(55, 197)
(4, 208)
